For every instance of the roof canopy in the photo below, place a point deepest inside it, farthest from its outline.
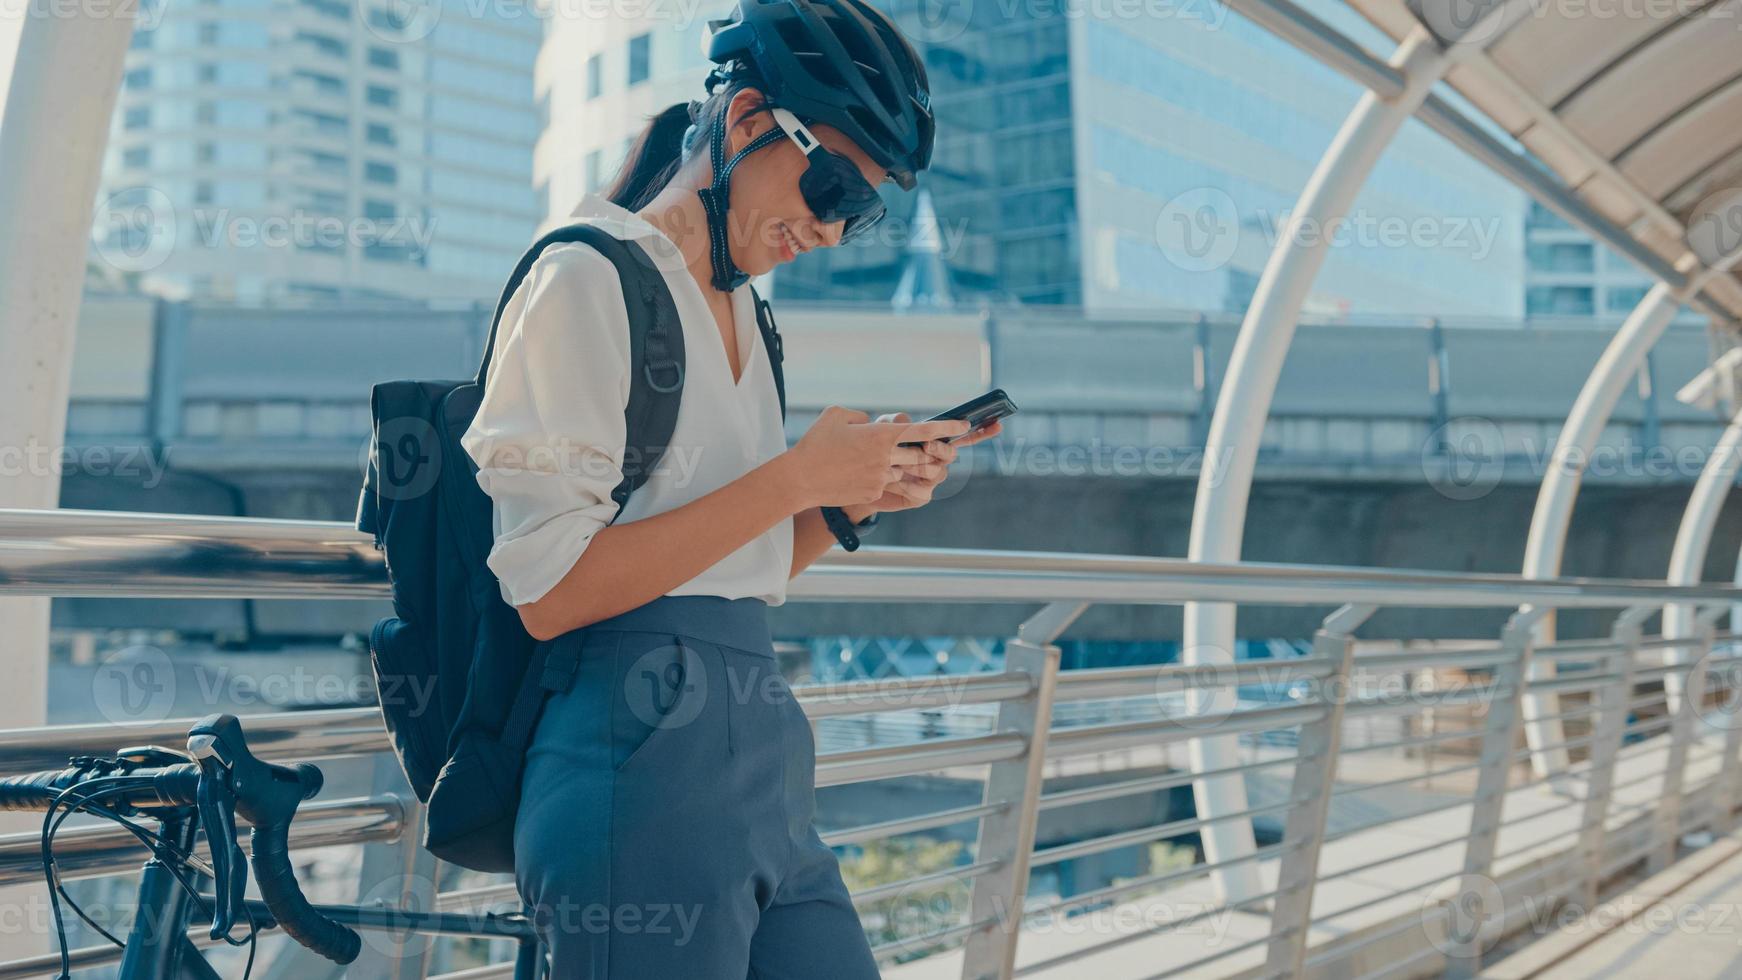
(1635, 104)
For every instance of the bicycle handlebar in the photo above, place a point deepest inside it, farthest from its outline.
(226, 779)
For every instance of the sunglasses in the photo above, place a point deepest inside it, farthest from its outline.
(833, 186)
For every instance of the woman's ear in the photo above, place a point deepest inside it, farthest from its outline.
(744, 121)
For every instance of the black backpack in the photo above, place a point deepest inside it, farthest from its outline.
(460, 681)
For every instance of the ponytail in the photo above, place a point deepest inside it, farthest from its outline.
(660, 151)
(654, 159)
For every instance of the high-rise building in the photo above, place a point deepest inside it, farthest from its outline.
(1121, 158)
(598, 81)
(1570, 275)
(322, 150)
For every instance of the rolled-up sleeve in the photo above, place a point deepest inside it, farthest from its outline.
(549, 434)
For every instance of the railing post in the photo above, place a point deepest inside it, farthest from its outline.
(1007, 836)
(1315, 773)
(1682, 728)
(1614, 701)
(1727, 792)
(1499, 734)
(401, 875)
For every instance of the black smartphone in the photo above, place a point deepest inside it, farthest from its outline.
(977, 412)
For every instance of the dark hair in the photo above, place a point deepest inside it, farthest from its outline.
(659, 152)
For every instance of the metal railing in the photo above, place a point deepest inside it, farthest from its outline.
(1640, 785)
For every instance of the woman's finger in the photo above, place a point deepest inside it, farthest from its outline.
(981, 434)
(941, 451)
(929, 472)
(910, 456)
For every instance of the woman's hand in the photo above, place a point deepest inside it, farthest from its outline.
(920, 480)
(845, 459)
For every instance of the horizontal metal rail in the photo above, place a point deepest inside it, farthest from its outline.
(88, 851)
(85, 553)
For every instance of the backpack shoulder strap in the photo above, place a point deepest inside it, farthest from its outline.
(771, 342)
(656, 347)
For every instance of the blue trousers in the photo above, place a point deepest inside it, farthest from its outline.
(665, 828)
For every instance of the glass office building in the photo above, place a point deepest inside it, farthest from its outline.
(1121, 158)
(321, 151)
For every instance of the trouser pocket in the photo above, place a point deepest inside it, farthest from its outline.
(662, 691)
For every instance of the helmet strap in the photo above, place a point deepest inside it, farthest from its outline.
(717, 199)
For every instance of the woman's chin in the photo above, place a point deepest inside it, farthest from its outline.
(760, 263)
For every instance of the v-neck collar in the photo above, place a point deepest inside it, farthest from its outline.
(628, 225)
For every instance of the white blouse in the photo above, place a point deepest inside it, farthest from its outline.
(549, 434)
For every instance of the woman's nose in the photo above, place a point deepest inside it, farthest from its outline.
(830, 234)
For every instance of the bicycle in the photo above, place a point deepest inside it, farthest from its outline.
(217, 779)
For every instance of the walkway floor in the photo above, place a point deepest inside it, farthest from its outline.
(1360, 890)
(1684, 922)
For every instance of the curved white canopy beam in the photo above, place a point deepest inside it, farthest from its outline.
(1219, 515)
(53, 130)
(1590, 414)
(1693, 540)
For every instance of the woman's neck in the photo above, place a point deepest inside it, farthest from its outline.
(677, 211)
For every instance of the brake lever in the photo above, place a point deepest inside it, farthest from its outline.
(217, 806)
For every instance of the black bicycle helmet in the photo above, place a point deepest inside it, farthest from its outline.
(841, 63)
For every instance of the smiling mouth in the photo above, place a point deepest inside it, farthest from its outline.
(793, 247)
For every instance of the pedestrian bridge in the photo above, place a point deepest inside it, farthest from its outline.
(1572, 791)
(1494, 852)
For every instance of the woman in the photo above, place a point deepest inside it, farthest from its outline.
(665, 830)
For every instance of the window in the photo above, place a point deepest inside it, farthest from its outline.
(595, 76)
(380, 210)
(206, 153)
(338, 9)
(639, 57)
(380, 173)
(1560, 256)
(384, 58)
(593, 177)
(208, 73)
(324, 123)
(206, 113)
(138, 156)
(1542, 217)
(324, 43)
(203, 192)
(381, 135)
(138, 78)
(1558, 301)
(383, 96)
(137, 117)
(1621, 299)
(324, 83)
(209, 33)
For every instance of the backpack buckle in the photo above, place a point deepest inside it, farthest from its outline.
(673, 368)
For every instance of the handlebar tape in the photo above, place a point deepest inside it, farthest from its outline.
(168, 785)
(35, 791)
(278, 888)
